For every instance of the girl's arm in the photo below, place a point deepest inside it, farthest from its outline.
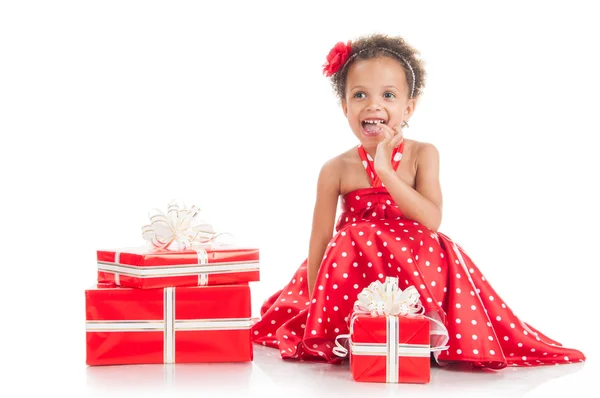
(423, 204)
(328, 189)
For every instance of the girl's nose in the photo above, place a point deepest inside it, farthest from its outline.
(373, 106)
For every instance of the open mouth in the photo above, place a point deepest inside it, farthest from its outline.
(372, 126)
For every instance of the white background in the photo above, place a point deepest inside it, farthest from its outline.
(111, 108)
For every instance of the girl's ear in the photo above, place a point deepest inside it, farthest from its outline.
(410, 108)
(345, 107)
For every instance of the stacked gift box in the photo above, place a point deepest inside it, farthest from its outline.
(165, 303)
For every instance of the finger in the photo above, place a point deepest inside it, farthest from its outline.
(397, 140)
(386, 134)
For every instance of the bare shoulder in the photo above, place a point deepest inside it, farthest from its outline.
(424, 153)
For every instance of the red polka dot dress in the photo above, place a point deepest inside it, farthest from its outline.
(374, 240)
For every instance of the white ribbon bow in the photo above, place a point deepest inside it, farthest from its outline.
(178, 229)
(388, 299)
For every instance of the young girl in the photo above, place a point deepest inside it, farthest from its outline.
(391, 209)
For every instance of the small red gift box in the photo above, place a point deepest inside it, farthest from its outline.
(170, 325)
(390, 348)
(147, 268)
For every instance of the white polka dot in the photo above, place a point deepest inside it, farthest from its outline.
(475, 351)
(355, 286)
(520, 344)
(490, 338)
(432, 283)
(491, 298)
(430, 249)
(459, 351)
(503, 305)
(492, 352)
(458, 320)
(474, 337)
(427, 263)
(369, 243)
(525, 332)
(471, 270)
(361, 233)
(429, 300)
(458, 336)
(303, 326)
(314, 300)
(505, 338)
(416, 273)
(273, 322)
(270, 334)
(422, 286)
(276, 308)
(315, 345)
(335, 330)
(380, 275)
(344, 232)
(313, 332)
(320, 287)
(320, 320)
(335, 308)
(498, 318)
(289, 310)
(457, 305)
(439, 269)
(512, 325)
(458, 275)
(533, 350)
(458, 290)
(474, 322)
(404, 249)
(473, 307)
(285, 336)
(409, 260)
(344, 254)
(524, 358)
(355, 264)
(369, 204)
(345, 297)
(379, 254)
(566, 358)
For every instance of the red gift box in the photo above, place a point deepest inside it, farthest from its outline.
(390, 349)
(170, 325)
(147, 268)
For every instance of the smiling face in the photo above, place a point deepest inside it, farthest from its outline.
(376, 92)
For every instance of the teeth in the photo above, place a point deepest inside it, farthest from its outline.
(374, 121)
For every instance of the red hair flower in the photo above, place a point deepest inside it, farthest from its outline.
(336, 58)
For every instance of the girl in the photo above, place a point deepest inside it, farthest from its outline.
(391, 210)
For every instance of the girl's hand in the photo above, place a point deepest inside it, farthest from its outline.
(391, 138)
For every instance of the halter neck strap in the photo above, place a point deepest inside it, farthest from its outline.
(368, 163)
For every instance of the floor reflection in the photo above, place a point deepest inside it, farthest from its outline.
(294, 378)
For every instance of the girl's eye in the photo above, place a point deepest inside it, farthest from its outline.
(360, 94)
(389, 95)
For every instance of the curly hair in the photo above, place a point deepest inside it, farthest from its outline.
(378, 45)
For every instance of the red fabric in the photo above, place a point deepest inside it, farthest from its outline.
(373, 240)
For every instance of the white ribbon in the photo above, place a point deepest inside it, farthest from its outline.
(384, 299)
(178, 228)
